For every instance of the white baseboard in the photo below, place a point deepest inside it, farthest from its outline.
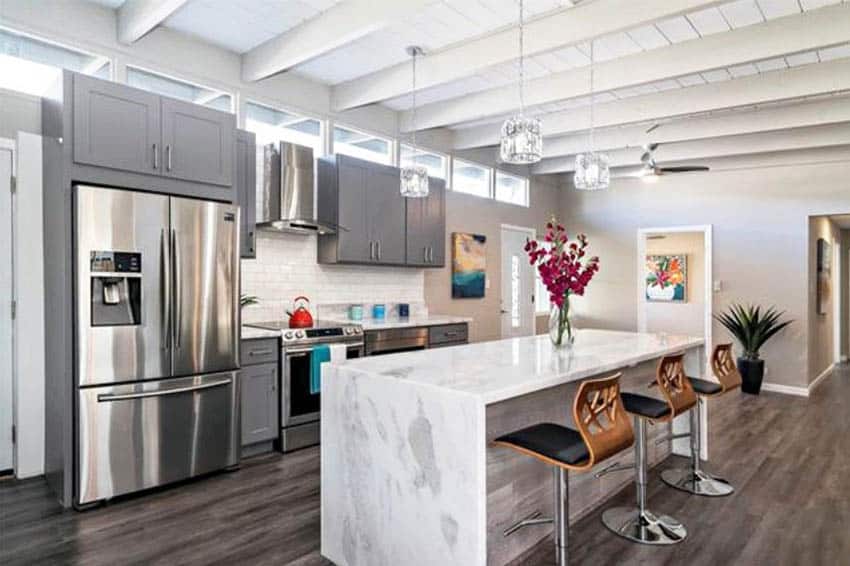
(816, 381)
(785, 389)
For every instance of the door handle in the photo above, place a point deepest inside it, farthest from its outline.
(425, 253)
(106, 397)
(260, 352)
(178, 284)
(155, 157)
(168, 157)
(378, 249)
(165, 283)
(371, 250)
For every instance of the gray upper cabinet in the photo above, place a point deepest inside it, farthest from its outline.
(376, 225)
(354, 233)
(246, 191)
(385, 213)
(116, 126)
(259, 403)
(197, 142)
(426, 227)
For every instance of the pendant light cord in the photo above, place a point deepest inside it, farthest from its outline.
(521, 59)
(413, 136)
(592, 99)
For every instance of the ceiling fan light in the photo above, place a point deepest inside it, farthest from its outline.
(592, 172)
(522, 141)
(414, 181)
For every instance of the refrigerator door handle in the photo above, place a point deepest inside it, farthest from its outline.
(165, 277)
(178, 304)
(106, 397)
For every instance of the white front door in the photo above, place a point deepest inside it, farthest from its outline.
(6, 448)
(517, 283)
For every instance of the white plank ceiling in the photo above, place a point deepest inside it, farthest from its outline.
(446, 26)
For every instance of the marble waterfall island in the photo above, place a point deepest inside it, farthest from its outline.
(409, 475)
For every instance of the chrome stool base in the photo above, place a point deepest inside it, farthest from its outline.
(645, 528)
(698, 483)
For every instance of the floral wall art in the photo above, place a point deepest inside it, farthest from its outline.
(667, 278)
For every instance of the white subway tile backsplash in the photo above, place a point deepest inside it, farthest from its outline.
(286, 267)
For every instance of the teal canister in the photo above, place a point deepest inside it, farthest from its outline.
(379, 312)
(355, 312)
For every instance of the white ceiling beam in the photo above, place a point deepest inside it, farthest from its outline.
(833, 110)
(792, 34)
(136, 18)
(340, 25)
(567, 27)
(799, 82)
(692, 152)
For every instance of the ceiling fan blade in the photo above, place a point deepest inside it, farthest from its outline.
(653, 127)
(684, 169)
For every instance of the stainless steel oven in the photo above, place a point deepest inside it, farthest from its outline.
(299, 408)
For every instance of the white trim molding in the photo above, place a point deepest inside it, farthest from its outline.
(796, 390)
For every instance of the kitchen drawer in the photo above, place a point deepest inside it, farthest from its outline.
(448, 333)
(260, 351)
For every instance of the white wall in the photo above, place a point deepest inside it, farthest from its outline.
(759, 208)
(680, 318)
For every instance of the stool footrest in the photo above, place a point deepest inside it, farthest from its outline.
(530, 520)
(666, 437)
(615, 467)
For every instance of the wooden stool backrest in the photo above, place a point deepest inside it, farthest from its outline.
(674, 384)
(725, 370)
(601, 418)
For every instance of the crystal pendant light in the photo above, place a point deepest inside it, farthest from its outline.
(592, 171)
(522, 142)
(414, 177)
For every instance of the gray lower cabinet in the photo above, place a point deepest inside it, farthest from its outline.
(259, 380)
(116, 126)
(245, 182)
(426, 227)
(363, 199)
(198, 142)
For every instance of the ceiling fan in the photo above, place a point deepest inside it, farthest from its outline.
(651, 167)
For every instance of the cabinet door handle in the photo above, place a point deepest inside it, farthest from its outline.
(425, 254)
(168, 157)
(260, 352)
(431, 253)
(371, 250)
(155, 157)
(378, 249)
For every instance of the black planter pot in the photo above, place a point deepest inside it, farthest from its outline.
(752, 372)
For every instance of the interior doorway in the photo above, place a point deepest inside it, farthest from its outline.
(675, 282)
(517, 310)
(6, 297)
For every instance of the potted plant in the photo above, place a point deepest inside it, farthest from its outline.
(752, 328)
(564, 272)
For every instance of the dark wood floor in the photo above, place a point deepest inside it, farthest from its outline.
(788, 457)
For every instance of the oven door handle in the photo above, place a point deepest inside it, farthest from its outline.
(300, 352)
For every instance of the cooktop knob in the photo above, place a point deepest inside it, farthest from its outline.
(299, 334)
(288, 335)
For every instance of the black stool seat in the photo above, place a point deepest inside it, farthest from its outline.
(705, 387)
(644, 406)
(550, 440)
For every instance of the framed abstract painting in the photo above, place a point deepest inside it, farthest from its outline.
(824, 283)
(667, 278)
(469, 265)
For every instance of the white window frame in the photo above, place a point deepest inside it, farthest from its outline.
(492, 178)
(446, 158)
(392, 142)
(525, 180)
(169, 76)
(323, 124)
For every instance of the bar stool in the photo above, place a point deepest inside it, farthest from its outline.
(639, 524)
(694, 479)
(603, 430)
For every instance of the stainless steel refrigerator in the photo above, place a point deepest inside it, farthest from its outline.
(157, 340)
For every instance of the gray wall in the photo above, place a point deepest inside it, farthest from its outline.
(688, 317)
(821, 326)
(760, 216)
(466, 213)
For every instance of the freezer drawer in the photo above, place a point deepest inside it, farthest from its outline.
(137, 436)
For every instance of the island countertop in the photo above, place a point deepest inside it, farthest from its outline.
(503, 369)
(410, 474)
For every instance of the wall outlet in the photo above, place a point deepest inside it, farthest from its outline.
(718, 286)
(486, 282)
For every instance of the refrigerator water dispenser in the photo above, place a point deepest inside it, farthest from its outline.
(116, 288)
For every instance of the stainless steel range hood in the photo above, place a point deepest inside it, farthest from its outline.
(287, 201)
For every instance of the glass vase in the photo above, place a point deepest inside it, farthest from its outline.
(561, 326)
